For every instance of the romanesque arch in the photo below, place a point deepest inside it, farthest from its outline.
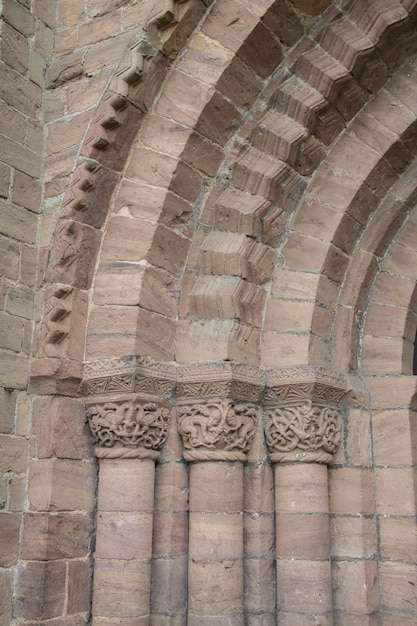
(236, 230)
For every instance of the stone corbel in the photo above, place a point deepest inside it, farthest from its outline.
(302, 414)
(218, 410)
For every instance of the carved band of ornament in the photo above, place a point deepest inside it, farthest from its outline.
(129, 374)
(128, 428)
(302, 432)
(227, 379)
(217, 431)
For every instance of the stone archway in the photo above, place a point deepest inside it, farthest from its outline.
(215, 184)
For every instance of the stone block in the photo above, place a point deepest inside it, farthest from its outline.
(261, 51)
(215, 536)
(301, 488)
(65, 134)
(186, 182)
(124, 535)
(79, 587)
(395, 491)
(393, 441)
(171, 482)
(17, 487)
(106, 53)
(304, 587)
(121, 588)
(240, 84)
(17, 222)
(49, 537)
(398, 538)
(14, 49)
(218, 120)
(351, 491)
(216, 588)
(126, 485)
(128, 239)
(355, 586)
(112, 332)
(302, 536)
(59, 428)
(26, 97)
(61, 485)
(41, 590)
(99, 29)
(229, 24)
(56, 376)
(64, 68)
(259, 535)
(9, 538)
(26, 191)
(183, 99)
(19, 302)
(74, 247)
(13, 454)
(353, 537)
(260, 586)
(8, 399)
(27, 265)
(6, 596)
(170, 534)
(71, 13)
(169, 584)
(11, 329)
(204, 493)
(397, 587)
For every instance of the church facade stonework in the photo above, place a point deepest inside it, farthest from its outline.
(208, 312)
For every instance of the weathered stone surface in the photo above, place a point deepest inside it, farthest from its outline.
(48, 537)
(9, 538)
(61, 485)
(41, 590)
(59, 428)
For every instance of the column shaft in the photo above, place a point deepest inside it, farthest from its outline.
(122, 571)
(215, 567)
(304, 591)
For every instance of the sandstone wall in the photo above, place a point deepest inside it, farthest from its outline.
(26, 48)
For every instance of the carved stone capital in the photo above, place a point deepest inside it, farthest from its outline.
(128, 427)
(301, 414)
(217, 430)
(302, 432)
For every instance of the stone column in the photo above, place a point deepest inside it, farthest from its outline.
(303, 430)
(217, 428)
(129, 431)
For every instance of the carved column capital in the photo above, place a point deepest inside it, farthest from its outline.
(217, 410)
(301, 414)
(128, 427)
(133, 425)
(217, 430)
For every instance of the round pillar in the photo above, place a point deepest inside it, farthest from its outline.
(303, 430)
(129, 433)
(216, 435)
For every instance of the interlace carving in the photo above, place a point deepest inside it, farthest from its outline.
(128, 428)
(302, 432)
(217, 430)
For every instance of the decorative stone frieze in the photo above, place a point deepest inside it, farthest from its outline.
(217, 431)
(220, 379)
(128, 428)
(301, 414)
(129, 374)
